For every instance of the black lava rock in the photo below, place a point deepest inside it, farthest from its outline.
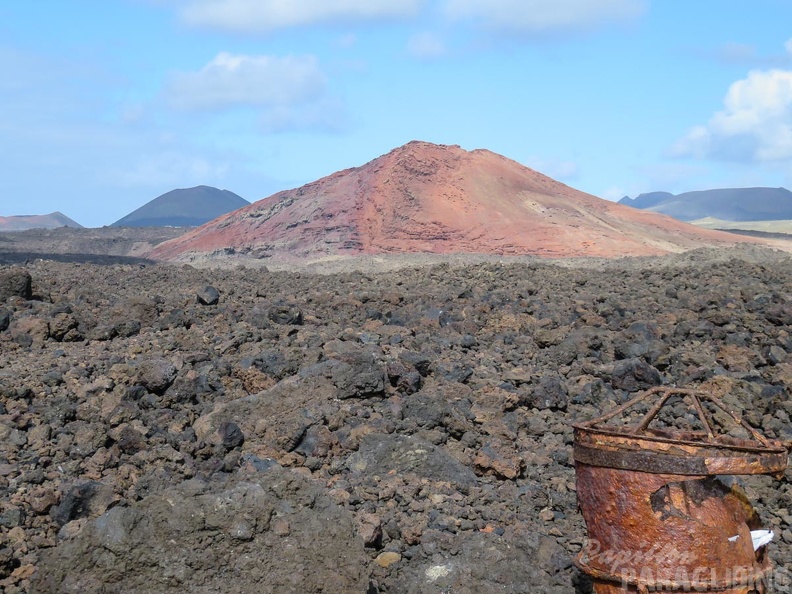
(208, 296)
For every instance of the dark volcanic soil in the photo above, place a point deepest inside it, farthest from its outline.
(168, 429)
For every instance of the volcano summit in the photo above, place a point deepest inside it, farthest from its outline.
(427, 198)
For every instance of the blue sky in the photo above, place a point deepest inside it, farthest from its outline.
(106, 104)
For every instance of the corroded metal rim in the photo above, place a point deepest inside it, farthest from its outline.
(751, 577)
(669, 456)
(641, 449)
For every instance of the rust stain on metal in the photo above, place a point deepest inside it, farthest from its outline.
(657, 512)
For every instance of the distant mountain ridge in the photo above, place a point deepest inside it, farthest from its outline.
(186, 207)
(727, 204)
(53, 220)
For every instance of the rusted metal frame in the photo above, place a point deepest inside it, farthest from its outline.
(755, 577)
(702, 415)
(620, 409)
(738, 419)
(649, 453)
(618, 438)
(668, 392)
(649, 417)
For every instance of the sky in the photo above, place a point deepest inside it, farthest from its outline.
(107, 104)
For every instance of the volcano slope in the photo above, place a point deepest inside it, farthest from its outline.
(427, 198)
(168, 429)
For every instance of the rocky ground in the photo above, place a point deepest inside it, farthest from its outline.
(171, 429)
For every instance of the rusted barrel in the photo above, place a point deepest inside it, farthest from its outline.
(659, 510)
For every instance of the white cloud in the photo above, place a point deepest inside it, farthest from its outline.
(257, 16)
(426, 46)
(543, 17)
(238, 80)
(755, 124)
(288, 93)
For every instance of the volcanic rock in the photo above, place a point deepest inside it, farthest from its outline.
(634, 374)
(208, 296)
(91, 498)
(380, 454)
(157, 544)
(214, 449)
(423, 197)
(15, 282)
(156, 374)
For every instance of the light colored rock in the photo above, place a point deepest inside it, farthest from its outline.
(387, 559)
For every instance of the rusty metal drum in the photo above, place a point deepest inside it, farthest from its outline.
(661, 508)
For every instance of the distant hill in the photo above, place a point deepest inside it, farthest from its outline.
(189, 207)
(440, 199)
(54, 220)
(729, 204)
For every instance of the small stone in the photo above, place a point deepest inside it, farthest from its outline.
(231, 435)
(546, 515)
(43, 500)
(130, 440)
(776, 355)
(292, 459)
(285, 315)
(281, 528)
(313, 463)
(242, 531)
(387, 559)
(23, 572)
(370, 530)
(550, 393)
(11, 518)
(208, 296)
(17, 535)
(156, 375)
(634, 374)
(437, 571)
